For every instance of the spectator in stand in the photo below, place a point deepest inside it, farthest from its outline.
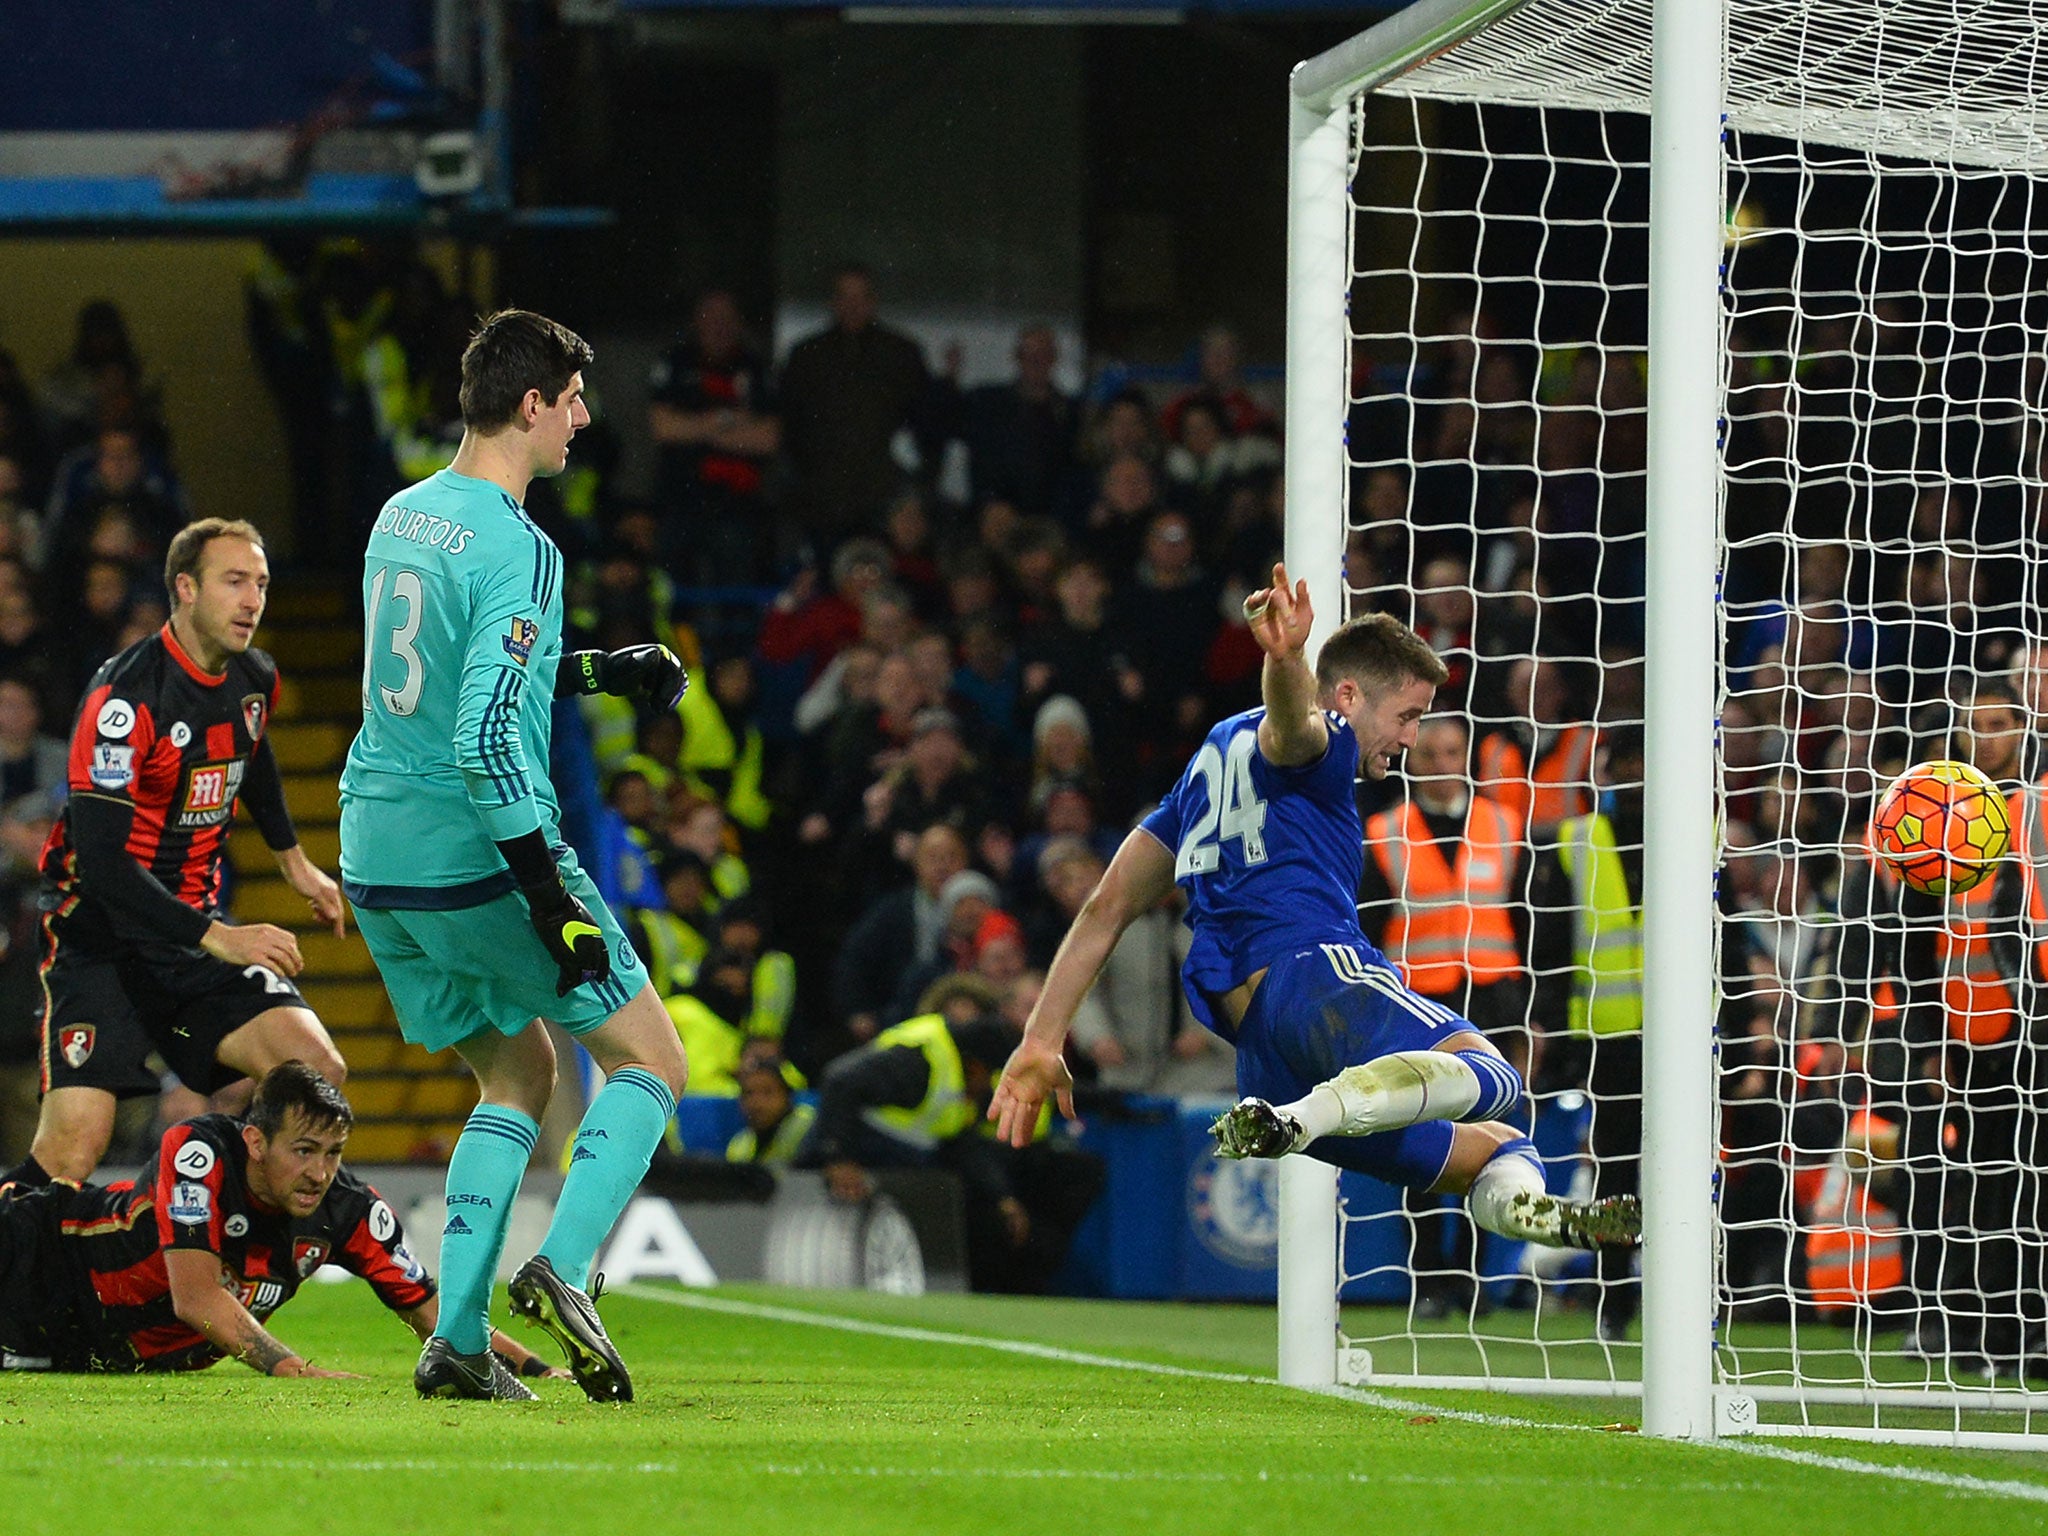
(1142, 1037)
(1207, 462)
(936, 780)
(845, 394)
(21, 434)
(1220, 362)
(114, 470)
(1125, 504)
(1586, 965)
(804, 625)
(900, 931)
(1171, 612)
(1032, 558)
(103, 363)
(987, 682)
(712, 417)
(28, 651)
(32, 769)
(776, 1124)
(868, 739)
(1021, 436)
(970, 911)
(674, 937)
(1443, 617)
(1540, 764)
(913, 565)
(1062, 752)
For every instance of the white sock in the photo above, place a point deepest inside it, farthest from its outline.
(1386, 1094)
(1507, 1197)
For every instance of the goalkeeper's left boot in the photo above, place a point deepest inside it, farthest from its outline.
(442, 1372)
(541, 1296)
(1254, 1128)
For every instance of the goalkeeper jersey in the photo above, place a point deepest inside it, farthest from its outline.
(462, 631)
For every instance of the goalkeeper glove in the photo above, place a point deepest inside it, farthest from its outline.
(564, 925)
(654, 672)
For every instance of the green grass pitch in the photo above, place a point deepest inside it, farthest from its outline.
(752, 1419)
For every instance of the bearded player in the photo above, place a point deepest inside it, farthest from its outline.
(1336, 1057)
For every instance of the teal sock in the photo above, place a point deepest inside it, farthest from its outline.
(617, 1137)
(483, 1176)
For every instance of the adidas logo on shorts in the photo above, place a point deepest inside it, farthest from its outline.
(457, 1227)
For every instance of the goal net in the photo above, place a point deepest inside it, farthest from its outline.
(1877, 1212)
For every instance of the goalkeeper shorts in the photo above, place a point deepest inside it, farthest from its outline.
(454, 974)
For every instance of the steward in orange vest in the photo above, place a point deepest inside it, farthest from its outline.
(1443, 890)
(1556, 788)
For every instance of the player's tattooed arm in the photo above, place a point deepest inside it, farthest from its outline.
(200, 1294)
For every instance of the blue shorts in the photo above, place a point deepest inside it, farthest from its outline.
(1324, 1009)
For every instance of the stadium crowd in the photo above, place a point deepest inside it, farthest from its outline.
(925, 707)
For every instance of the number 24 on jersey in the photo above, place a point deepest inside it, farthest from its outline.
(1234, 809)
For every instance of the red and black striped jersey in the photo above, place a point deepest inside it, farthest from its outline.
(195, 1194)
(158, 733)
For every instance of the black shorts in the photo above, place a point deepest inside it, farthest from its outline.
(41, 1325)
(107, 1006)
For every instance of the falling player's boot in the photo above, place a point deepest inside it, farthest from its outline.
(1254, 1128)
(444, 1373)
(541, 1296)
(1615, 1222)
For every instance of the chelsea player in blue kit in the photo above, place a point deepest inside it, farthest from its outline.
(477, 915)
(1336, 1057)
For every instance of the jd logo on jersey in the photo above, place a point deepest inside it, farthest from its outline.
(75, 1042)
(520, 642)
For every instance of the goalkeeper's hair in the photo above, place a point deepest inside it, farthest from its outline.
(1379, 653)
(513, 351)
(293, 1085)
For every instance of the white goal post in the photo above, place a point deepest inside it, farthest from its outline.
(1932, 90)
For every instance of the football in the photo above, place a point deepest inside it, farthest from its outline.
(1942, 826)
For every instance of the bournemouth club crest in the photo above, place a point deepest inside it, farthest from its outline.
(308, 1254)
(75, 1042)
(252, 715)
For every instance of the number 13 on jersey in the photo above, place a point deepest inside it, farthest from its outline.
(405, 588)
(1234, 809)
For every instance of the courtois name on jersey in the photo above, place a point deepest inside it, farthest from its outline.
(1270, 857)
(462, 601)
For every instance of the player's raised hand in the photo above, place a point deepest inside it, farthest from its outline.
(1034, 1073)
(1280, 616)
(263, 944)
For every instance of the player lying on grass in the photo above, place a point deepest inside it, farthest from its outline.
(476, 912)
(1336, 1057)
(184, 1266)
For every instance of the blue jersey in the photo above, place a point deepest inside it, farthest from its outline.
(1270, 857)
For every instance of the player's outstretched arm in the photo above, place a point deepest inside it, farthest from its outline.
(203, 1302)
(1137, 880)
(1294, 731)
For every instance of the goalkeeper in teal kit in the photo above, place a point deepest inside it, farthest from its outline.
(479, 919)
